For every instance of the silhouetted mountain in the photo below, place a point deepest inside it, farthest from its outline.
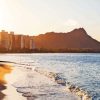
(74, 40)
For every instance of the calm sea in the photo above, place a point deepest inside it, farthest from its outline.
(81, 69)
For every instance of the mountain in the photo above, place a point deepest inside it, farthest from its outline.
(78, 39)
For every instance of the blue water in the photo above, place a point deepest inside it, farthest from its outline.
(81, 69)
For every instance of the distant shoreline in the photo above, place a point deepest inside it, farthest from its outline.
(42, 52)
(51, 52)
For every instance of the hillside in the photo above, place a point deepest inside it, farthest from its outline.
(77, 39)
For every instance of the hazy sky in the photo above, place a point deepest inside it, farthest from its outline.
(39, 16)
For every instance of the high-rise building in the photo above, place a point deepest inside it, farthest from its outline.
(22, 42)
(32, 45)
(4, 40)
(26, 42)
(12, 41)
(17, 42)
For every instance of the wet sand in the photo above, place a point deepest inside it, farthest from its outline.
(10, 75)
(36, 86)
(7, 91)
(4, 69)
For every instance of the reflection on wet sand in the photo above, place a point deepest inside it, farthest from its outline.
(2, 87)
(4, 69)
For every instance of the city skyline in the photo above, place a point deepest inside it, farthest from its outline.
(9, 41)
(35, 17)
(77, 40)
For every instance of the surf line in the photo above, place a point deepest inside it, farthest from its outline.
(17, 64)
(84, 95)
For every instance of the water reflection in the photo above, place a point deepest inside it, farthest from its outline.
(4, 69)
(2, 87)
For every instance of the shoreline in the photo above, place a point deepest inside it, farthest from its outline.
(69, 87)
(45, 52)
(4, 69)
(10, 92)
(42, 88)
(7, 91)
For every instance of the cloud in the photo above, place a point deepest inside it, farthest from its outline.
(72, 22)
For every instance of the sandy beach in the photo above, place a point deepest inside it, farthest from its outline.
(7, 91)
(22, 84)
(4, 69)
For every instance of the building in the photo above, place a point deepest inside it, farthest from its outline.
(4, 40)
(17, 42)
(26, 42)
(32, 45)
(22, 42)
(12, 42)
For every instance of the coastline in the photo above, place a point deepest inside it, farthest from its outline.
(4, 69)
(38, 86)
(69, 87)
(7, 91)
(9, 74)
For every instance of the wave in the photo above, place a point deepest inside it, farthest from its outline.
(57, 77)
(84, 95)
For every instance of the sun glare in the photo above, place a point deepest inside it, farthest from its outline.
(3, 13)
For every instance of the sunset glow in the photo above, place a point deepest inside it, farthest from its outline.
(49, 49)
(39, 16)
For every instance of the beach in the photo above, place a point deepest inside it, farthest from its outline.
(33, 85)
(7, 91)
(4, 69)
(50, 76)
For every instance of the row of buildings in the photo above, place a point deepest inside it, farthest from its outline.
(10, 41)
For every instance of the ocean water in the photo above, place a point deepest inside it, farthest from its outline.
(81, 69)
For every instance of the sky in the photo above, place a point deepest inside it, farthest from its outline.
(35, 17)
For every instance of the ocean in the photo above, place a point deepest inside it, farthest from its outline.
(80, 69)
